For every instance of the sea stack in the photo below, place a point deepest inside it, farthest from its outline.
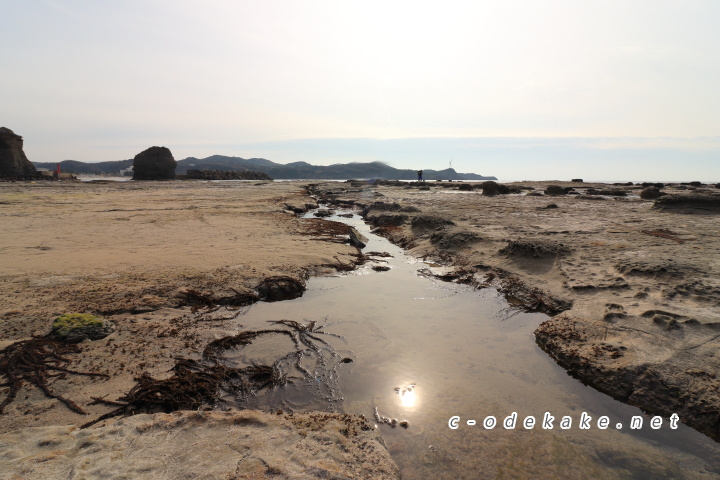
(155, 163)
(13, 162)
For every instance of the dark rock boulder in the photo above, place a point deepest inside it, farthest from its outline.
(278, 288)
(324, 212)
(465, 187)
(577, 180)
(651, 193)
(357, 239)
(155, 163)
(490, 188)
(554, 190)
(13, 162)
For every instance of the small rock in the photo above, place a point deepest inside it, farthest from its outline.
(554, 190)
(273, 289)
(490, 188)
(651, 193)
(76, 327)
(357, 239)
(324, 212)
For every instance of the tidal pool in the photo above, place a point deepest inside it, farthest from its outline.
(424, 351)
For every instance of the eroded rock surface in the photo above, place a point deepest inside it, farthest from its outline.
(706, 202)
(633, 289)
(243, 445)
(658, 370)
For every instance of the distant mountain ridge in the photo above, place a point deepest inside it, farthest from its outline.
(74, 166)
(294, 170)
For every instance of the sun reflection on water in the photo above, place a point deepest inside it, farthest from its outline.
(408, 396)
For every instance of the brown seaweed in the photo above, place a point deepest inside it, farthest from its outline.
(35, 361)
(192, 386)
(197, 384)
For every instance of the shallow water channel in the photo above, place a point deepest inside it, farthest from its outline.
(424, 351)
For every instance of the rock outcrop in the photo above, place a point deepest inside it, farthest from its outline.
(13, 162)
(660, 371)
(423, 223)
(155, 163)
(696, 201)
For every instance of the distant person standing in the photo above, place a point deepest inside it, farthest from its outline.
(420, 176)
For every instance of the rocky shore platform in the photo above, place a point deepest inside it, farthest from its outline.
(629, 274)
(630, 283)
(243, 444)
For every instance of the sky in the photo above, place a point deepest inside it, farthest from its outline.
(610, 90)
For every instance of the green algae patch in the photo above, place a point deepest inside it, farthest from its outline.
(76, 327)
(71, 321)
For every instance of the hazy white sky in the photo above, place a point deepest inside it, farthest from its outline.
(502, 88)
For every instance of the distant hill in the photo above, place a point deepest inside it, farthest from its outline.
(304, 170)
(295, 170)
(73, 166)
